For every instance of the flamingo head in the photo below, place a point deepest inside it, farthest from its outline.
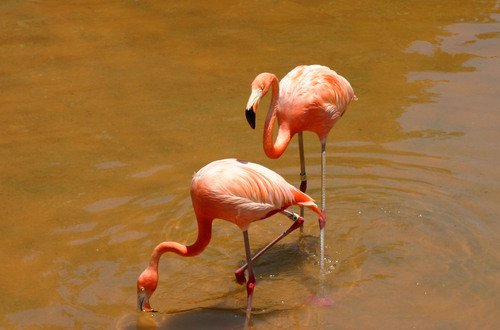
(260, 86)
(146, 285)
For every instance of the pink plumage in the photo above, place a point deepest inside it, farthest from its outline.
(309, 98)
(312, 98)
(237, 191)
(242, 192)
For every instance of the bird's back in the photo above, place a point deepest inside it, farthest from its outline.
(313, 95)
(242, 192)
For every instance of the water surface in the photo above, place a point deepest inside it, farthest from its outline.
(109, 108)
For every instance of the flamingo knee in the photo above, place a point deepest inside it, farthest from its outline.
(303, 182)
(240, 275)
(250, 285)
(250, 289)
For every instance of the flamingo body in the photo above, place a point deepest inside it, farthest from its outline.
(233, 190)
(242, 192)
(312, 98)
(309, 98)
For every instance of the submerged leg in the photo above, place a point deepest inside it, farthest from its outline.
(251, 277)
(240, 272)
(322, 220)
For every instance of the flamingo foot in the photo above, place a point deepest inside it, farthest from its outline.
(240, 276)
(320, 301)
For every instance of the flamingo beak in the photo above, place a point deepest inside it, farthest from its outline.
(252, 105)
(143, 302)
(250, 114)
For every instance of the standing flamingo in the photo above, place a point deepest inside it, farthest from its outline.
(309, 98)
(236, 191)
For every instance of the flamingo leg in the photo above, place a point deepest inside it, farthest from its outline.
(303, 177)
(322, 221)
(251, 277)
(240, 272)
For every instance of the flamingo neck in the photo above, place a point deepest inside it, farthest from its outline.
(271, 148)
(204, 236)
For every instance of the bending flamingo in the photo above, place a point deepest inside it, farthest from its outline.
(236, 191)
(309, 98)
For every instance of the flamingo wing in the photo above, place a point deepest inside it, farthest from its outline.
(243, 192)
(315, 85)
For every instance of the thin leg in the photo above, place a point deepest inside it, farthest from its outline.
(303, 177)
(322, 222)
(251, 277)
(239, 273)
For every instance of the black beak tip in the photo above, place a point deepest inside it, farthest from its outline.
(250, 114)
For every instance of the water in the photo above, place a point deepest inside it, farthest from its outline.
(109, 108)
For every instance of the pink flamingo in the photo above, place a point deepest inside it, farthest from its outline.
(236, 191)
(309, 98)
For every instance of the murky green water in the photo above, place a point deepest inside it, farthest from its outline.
(108, 108)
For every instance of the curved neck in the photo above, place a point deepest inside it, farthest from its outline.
(271, 148)
(204, 236)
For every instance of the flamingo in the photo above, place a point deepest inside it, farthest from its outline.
(309, 98)
(239, 192)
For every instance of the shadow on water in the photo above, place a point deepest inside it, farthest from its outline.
(213, 317)
(282, 260)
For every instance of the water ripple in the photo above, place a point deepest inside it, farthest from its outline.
(108, 204)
